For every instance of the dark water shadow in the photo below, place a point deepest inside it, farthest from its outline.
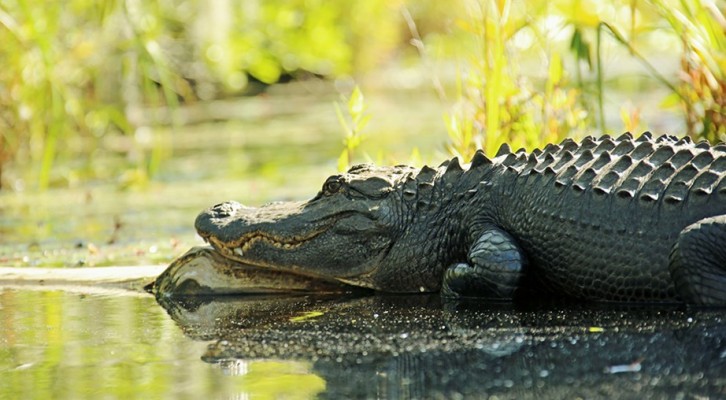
(384, 346)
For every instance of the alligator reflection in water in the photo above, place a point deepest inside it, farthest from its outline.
(417, 347)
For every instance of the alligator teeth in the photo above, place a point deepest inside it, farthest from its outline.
(238, 251)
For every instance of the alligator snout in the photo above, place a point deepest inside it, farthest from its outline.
(228, 222)
(224, 210)
(212, 221)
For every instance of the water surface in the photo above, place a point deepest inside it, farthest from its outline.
(74, 345)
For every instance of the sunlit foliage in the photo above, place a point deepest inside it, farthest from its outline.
(573, 45)
(79, 73)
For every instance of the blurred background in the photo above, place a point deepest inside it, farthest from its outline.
(120, 120)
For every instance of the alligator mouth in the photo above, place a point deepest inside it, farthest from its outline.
(239, 247)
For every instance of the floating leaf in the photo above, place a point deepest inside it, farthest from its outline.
(306, 316)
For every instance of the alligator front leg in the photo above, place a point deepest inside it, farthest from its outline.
(495, 268)
(698, 262)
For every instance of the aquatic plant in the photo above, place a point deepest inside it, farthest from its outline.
(353, 124)
(497, 103)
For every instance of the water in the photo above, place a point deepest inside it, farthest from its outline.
(65, 344)
(68, 345)
(91, 342)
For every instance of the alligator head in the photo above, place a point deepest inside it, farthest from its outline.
(366, 227)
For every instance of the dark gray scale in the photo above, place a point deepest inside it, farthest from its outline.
(686, 174)
(426, 175)
(705, 183)
(587, 144)
(603, 160)
(661, 155)
(666, 139)
(564, 179)
(532, 161)
(623, 148)
(569, 145)
(630, 187)
(606, 184)
(664, 172)
(625, 137)
(606, 144)
(514, 160)
(622, 164)
(479, 159)
(681, 158)
(645, 137)
(504, 149)
(719, 165)
(547, 160)
(651, 190)
(702, 160)
(565, 158)
(551, 148)
(641, 170)
(584, 179)
(581, 159)
(642, 150)
(676, 193)
(425, 185)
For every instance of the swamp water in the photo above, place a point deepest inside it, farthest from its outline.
(90, 341)
(65, 344)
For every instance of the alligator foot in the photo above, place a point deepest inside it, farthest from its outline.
(495, 268)
(698, 262)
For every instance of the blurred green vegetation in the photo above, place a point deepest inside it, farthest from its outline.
(77, 73)
(573, 45)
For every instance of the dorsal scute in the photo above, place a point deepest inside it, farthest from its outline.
(479, 159)
(661, 155)
(605, 145)
(627, 136)
(454, 166)
(642, 150)
(624, 147)
(426, 175)
(646, 170)
(682, 157)
(569, 145)
(504, 149)
(702, 160)
(644, 137)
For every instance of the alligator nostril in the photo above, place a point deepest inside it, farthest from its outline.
(224, 210)
(210, 221)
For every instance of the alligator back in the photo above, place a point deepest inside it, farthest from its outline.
(598, 219)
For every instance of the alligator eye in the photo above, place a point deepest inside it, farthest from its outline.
(331, 186)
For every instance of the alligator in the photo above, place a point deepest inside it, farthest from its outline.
(603, 219)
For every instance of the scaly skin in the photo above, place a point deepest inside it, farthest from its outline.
(634, 220)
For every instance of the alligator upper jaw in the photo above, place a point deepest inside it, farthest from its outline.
(243, 233)
(232, 224)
